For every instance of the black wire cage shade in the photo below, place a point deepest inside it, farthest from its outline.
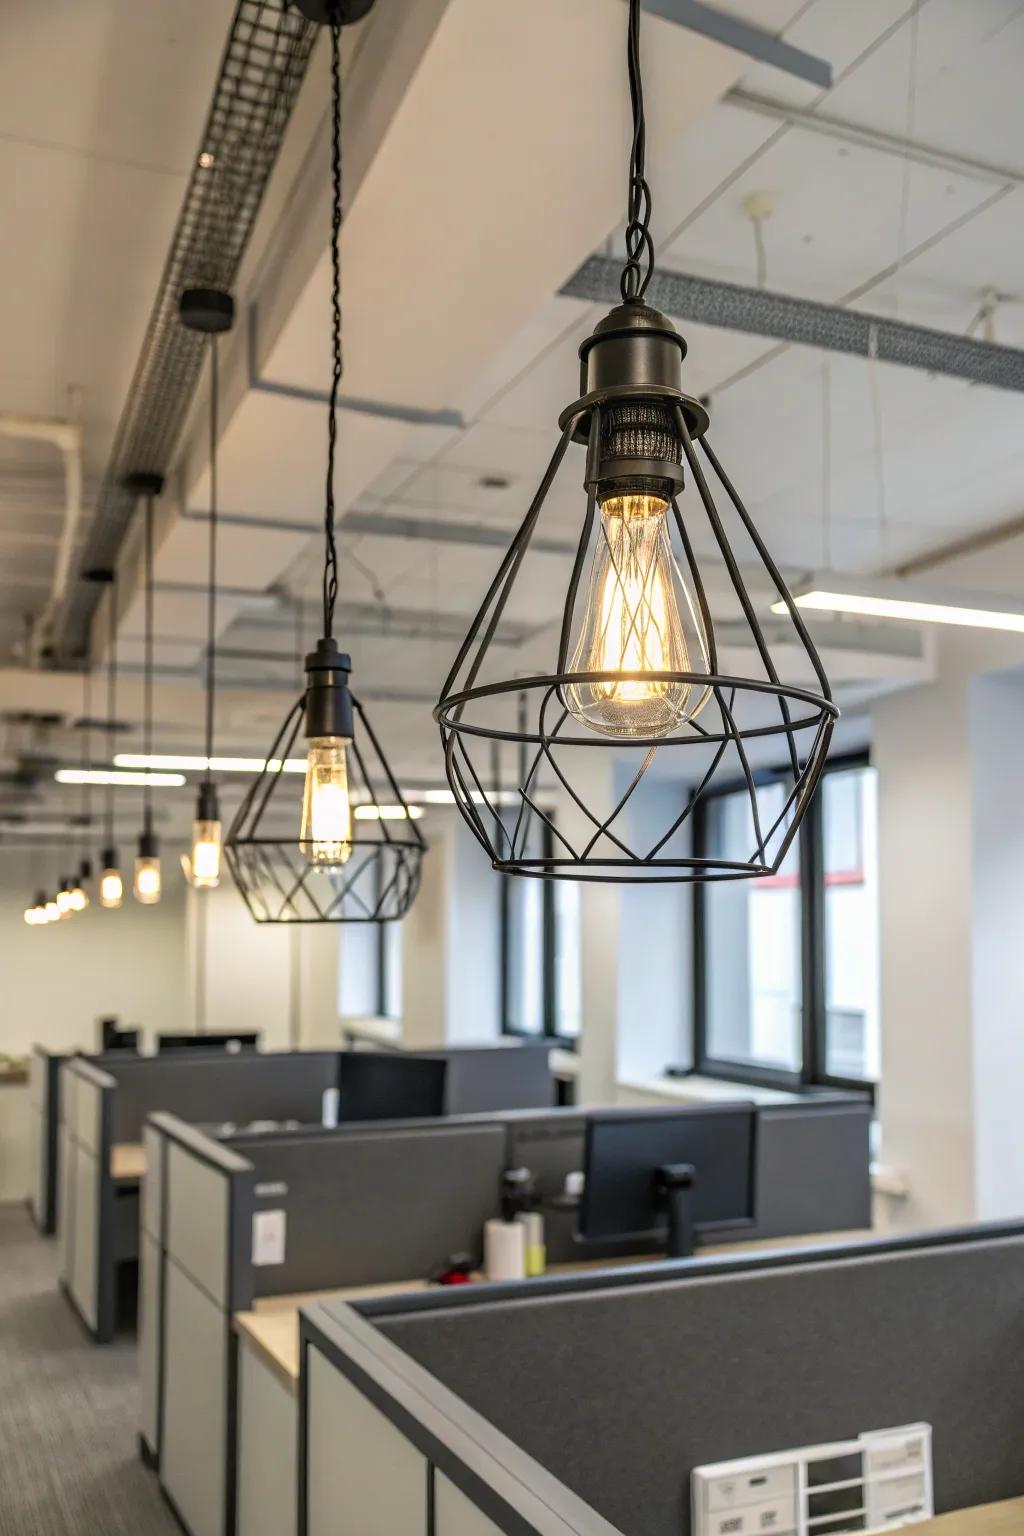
(659, 647)
(277, 873)
(640, 662)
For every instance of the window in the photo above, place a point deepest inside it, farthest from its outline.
(786, 978)
(370, 971)
(540, 951)
(752, 943)
(852, 1037)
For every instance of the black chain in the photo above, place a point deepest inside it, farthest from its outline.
(331, 560)
(639, 245)
(211, 587)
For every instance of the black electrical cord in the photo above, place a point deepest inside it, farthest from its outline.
(639, 245)
(111, 704)
(211, 588)
(147, 788)
(331, 560)
(86, 755)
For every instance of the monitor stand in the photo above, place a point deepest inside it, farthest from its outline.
(676, 1183)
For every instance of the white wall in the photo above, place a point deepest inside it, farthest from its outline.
(56, 981)
(238, 973)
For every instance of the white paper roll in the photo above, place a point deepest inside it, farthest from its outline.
(504, 1250)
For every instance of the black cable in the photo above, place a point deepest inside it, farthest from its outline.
(331, 561)
(211, 589)
(86, 755)
(111, 703)
(639, 245)
(147, 788)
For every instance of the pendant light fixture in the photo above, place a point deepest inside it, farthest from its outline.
(210, 312)
(648, 633)
(147, 886)
(111, 883)
(317, 862)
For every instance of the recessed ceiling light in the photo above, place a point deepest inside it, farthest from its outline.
(116, 776)
(888, 599)
(185, 763)
(494, 482)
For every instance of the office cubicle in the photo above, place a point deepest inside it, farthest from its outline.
(100, 1160)
(44, 1100)
(584, 1406)
(366, 1205)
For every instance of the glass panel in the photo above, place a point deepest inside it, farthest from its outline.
(752, 942)
(567, 958)
(391, 1003)
(852, 1005)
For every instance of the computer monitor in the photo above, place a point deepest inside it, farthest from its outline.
(239, 1040)
(114, 1038)
(664, 1178)
(391, 1085)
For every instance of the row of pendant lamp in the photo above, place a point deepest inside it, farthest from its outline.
(643, 671)
(72, 896)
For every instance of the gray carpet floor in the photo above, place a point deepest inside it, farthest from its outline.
(68, 1409)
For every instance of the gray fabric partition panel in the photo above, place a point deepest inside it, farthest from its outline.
(249, 1086)
(813, 1169)
(491, 1078)
(621, 1393)
(376, 1205)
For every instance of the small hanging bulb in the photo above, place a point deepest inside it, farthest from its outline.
(325, 835)
(64, 899)
(111, 883)
(31, 915)
(639, 615)
(148, 885)
(51, 910)
(204, 870)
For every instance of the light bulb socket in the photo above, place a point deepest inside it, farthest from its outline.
(208, 310)
(40, 899)
(108, 858)
(328, 700)
(336, 13)
(633, 345)
(207, 807)
(149, 844)
(84, 871)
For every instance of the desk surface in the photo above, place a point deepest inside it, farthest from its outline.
(273, 1324)
(1006, 1519)
(127, 1161)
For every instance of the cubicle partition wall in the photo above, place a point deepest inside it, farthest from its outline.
(105, 1102)
(44, 1098)
(585, 1406)
(375, 1204)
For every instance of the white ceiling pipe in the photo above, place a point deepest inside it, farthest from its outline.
(66, 437)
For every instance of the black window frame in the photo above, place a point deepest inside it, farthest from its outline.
(549, 981)
(813, 1071)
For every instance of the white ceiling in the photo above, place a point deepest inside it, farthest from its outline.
(496, 169)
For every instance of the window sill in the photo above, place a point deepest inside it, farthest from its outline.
(696, 1089)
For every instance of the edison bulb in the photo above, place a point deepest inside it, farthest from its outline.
(31, 915)
(639, 617)
(64, 904)
(111, 888)
(79, 898)
(326, 833)
(148, 884)
(205, 866)
(52, 911)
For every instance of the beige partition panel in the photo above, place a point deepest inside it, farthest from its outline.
(196, 1344)
(363, 1477)
(455, 1515)
(38, 1139)
(65, 1178)
(267, 1449)
(150, 1286)
(84, 1116)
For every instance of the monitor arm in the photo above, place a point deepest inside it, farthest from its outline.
(675, 1183)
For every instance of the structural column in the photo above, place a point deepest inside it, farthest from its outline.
(951, 851)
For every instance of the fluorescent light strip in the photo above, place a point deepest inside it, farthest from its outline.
(905, 608)
(113, 776)
(185, 764)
